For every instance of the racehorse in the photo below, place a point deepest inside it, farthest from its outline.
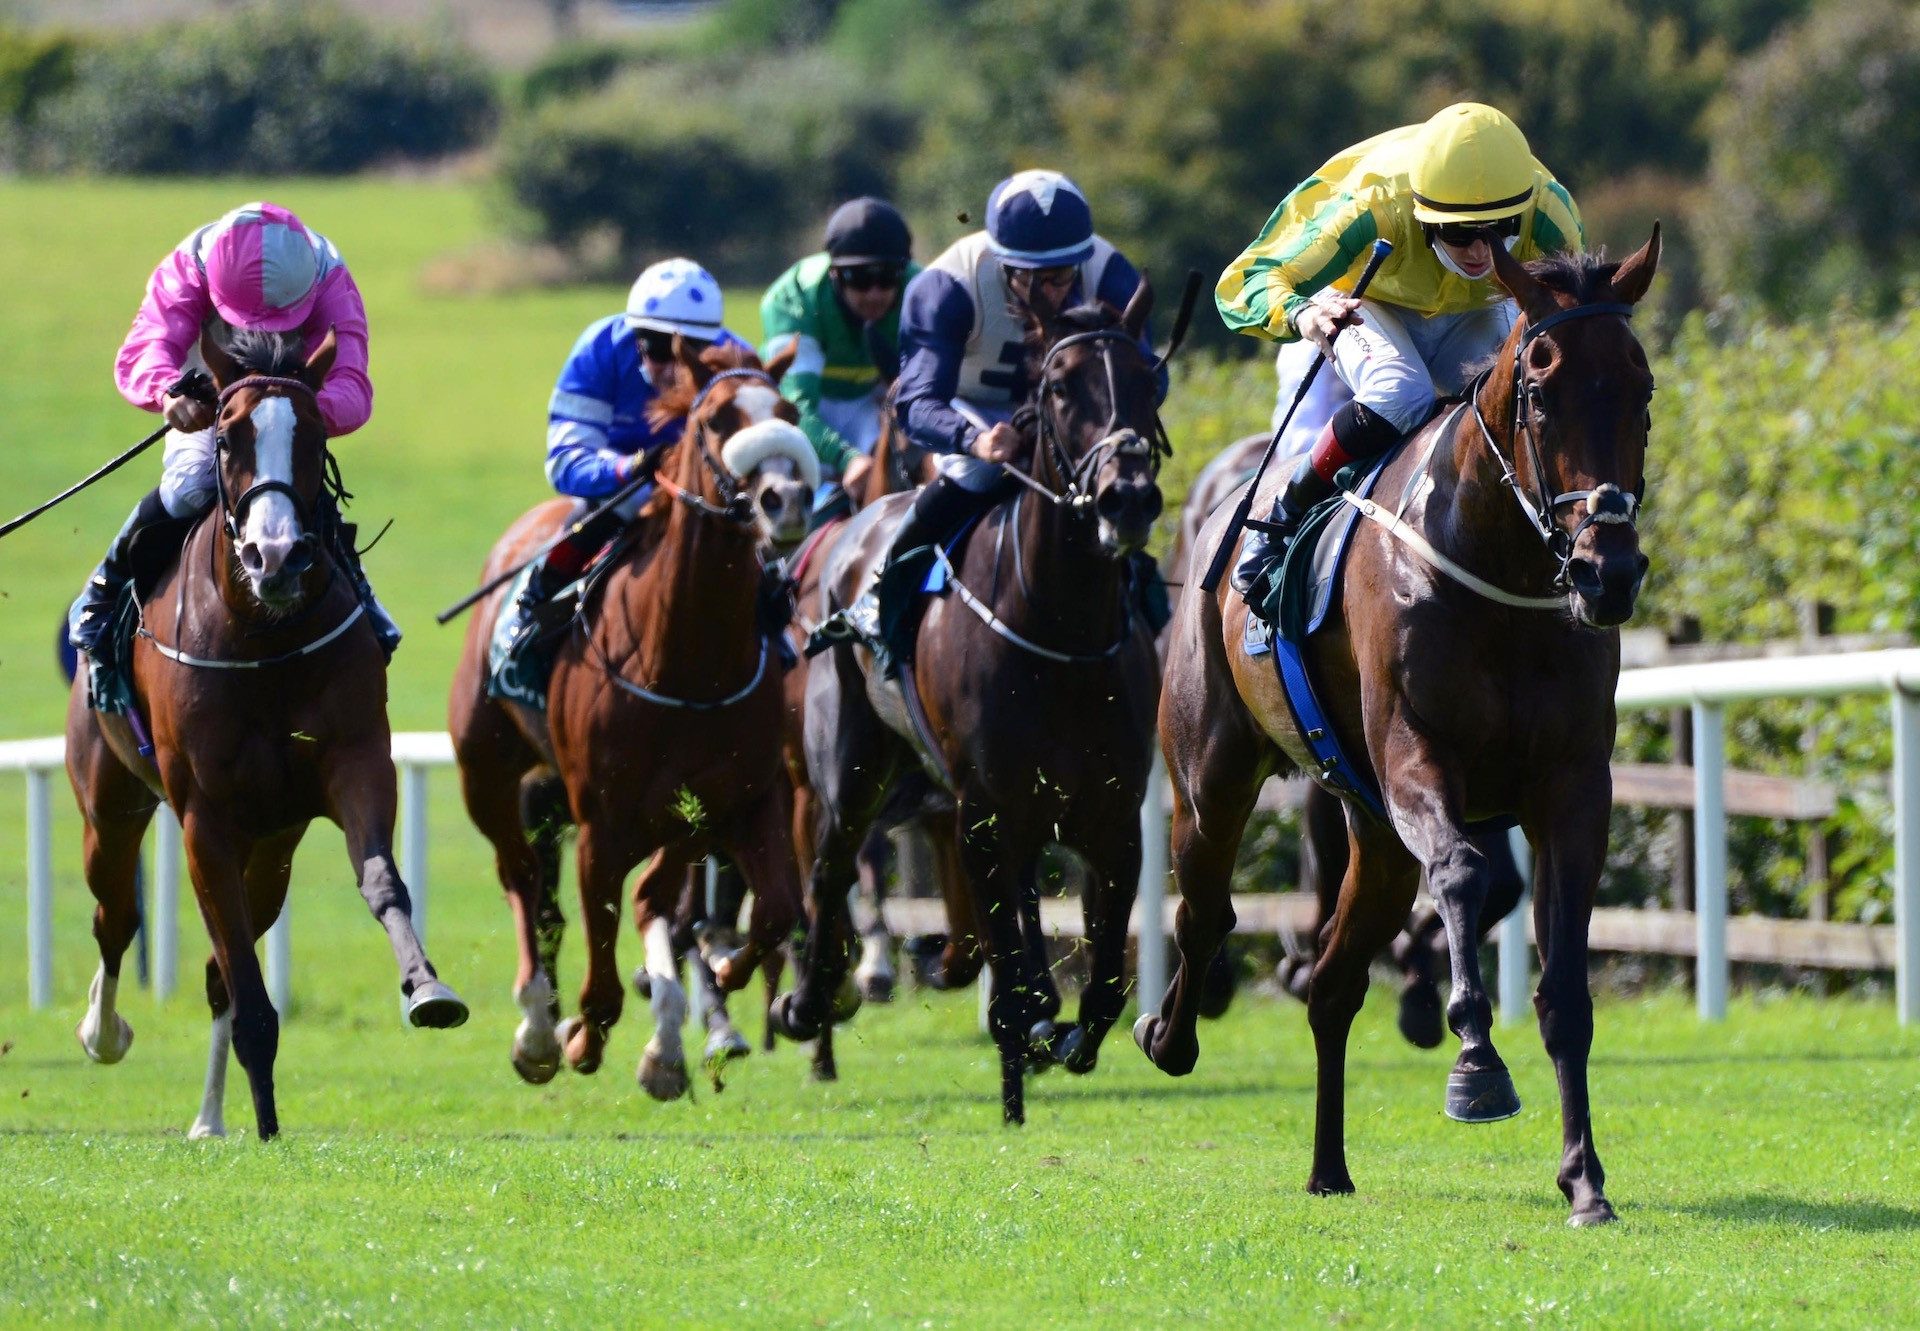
(1323, 828)
(259, 705)
(662, 724)
(1037, 681)
(1472, 674)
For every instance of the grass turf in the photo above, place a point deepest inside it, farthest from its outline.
(1762, 1167)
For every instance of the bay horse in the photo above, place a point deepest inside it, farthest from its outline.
(260, 704)
(662, 724)
(1323, 827)
(1037, 680)
(1472, 673)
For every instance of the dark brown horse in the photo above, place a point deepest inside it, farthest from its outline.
(1037, 679)
(663, 723)
(263, 693)
(1465, 702)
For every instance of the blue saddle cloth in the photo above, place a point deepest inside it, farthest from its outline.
(1300, 597)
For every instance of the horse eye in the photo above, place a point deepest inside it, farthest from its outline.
(1058, 388)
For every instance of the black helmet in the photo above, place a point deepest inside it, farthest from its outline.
(868, 230)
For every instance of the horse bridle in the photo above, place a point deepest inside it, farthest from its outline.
(233, 511)
(1121, 441)
(1607, 503)
(734, 505)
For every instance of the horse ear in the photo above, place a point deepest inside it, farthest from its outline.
(220, 365)
(1635, 274)
(1510, 273)
(783, 360)
(1139, 307)
(697, 369)
(320, 363)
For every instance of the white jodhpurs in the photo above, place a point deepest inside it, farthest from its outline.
(1395, 362)
(186, 475)
(856, 420)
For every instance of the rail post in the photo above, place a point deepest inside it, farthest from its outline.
(1906, 854)
(280, 961)
(1710, 859)
(163, 918)
(413, 841)
(1515, 962)
(39, 889)
(1150, 971)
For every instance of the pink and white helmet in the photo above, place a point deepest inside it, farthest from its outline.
(262, 266)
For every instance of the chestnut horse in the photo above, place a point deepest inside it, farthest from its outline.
(1037, 679)
(663, 723)
(1472, 672)
(264, 695)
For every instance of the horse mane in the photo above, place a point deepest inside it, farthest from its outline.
(676, 400)
(1586, 277)
(255, 351)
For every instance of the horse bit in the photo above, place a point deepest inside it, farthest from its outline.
(1121, 441)
(1606, 503)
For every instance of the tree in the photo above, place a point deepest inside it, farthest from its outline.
(1815, 178)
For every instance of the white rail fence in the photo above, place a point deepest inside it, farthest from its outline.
(1707, 688)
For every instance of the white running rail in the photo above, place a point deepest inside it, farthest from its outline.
(1708, 689)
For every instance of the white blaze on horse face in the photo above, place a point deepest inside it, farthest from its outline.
(272, 526)
(757, 402)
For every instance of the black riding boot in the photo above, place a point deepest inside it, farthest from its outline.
(1266, 545)
(342, 534)
(93, 611)
(535, 612)
(943, 505)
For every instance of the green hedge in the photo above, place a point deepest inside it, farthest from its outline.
(263, 90)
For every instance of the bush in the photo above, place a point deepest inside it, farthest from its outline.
(735, 165)
(312, 90)
(34, 68)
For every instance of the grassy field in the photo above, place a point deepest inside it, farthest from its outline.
(1762, 1168)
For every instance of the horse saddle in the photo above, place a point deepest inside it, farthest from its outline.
(1297, 600)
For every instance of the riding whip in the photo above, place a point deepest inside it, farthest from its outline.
(493, 584)
(193, 383)
(1222, 553)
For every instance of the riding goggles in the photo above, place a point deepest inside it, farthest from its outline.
(656, 345)
(867, 276)
(1462, 234)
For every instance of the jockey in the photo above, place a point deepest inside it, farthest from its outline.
(1443, 193)
(963, 369)
(256, 268)
(598, 435)
(842, 309)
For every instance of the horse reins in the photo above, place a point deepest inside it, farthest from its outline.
(1606, 503)
(1121, 441)
(733, 508)
(232, 514)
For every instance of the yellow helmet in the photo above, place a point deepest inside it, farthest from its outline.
(1471, 164)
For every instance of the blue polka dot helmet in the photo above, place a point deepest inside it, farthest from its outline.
(1039, 219)
(676, 296)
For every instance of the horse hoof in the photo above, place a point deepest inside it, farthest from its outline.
(103, 1049)
(582, 1050)
(1598, 1212)
(434, 1006)
(823, 1072)
(1481, 1095)
(203, 1131)
(727, 1045)
(536, 1054)
(783, 1013)
(1420, 1016)
(663, 1081)
(1076, 1053)
(846, 1001)
(1331, 1185)
(1174, 1061)
(1294, 974)
(1143, 1033)
(643, 985)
